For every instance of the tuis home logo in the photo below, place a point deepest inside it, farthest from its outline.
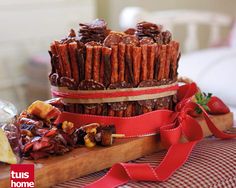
(22, 176)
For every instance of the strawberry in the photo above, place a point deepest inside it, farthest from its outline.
(212, 104)
(217, 106)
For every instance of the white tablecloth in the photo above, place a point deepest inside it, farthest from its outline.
(214, 70)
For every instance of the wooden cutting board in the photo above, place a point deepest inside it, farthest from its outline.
(83, 161)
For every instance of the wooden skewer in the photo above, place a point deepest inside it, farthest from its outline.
(118, 135)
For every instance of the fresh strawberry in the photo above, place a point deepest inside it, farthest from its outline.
(217, 106)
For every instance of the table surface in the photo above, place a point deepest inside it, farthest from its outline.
(212, 163)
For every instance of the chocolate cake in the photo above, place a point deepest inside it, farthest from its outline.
(98, 58)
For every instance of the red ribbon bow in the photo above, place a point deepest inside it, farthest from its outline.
(171, 125)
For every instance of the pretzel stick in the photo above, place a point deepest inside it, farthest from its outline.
(137, 57)
(114, 64)
(128, 64)
(53, 48)
(121, 58)
(63, 52)
(157, 62)
(88, 69)
(88, 62)
(121, 72)
(101, 79)
(64, 59)
(73, 59)
(105, 72)
(162, 62)
(55, 64)
(144, 73)
(144, 70)
(81, 64)
(128, 76)
(99, 109)
(114, 71)
(53, 54)
(175, 59)
(136, 64)
(129, 110)
(96, 73)
(168, 59)
(58, 63)
(96, 62)
(150, 60)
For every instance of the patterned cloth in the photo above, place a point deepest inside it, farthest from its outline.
(212, 164)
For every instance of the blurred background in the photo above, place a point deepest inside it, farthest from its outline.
(205, 28)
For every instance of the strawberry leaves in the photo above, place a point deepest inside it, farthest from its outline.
(202, 99)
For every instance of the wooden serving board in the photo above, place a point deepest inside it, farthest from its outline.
(83, 161)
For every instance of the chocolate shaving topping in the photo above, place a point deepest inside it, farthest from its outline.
(94, 31)
(95, 24)
(154, 31)
(147, 29)
(70, 38)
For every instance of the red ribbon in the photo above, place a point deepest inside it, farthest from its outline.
(171, 126)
